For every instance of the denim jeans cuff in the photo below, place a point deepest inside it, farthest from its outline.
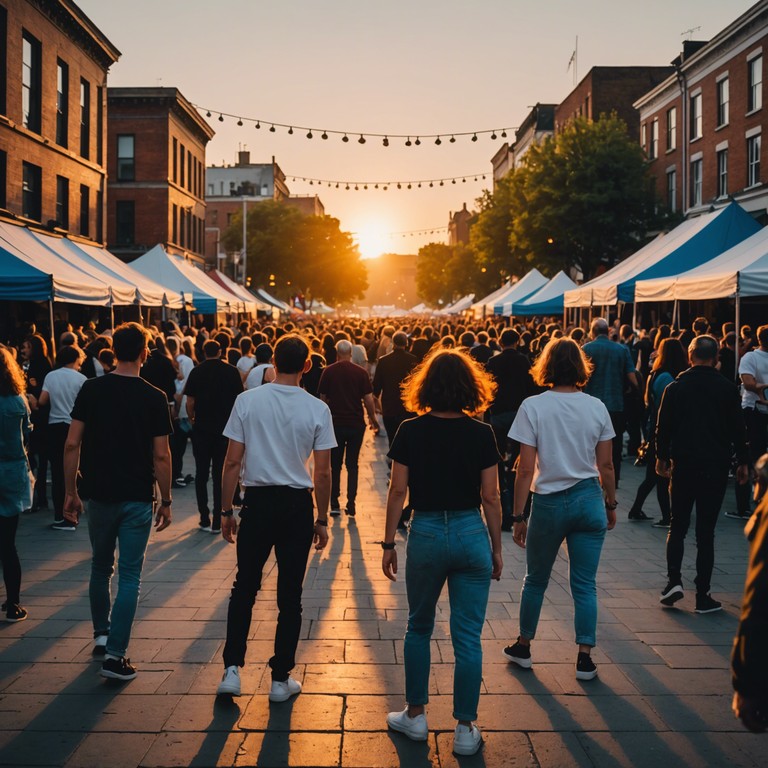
(589, 640)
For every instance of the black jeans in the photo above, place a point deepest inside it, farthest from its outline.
(651, 481)
(501, 424)
(178, 445)
(706, 489)
(349, 442)
(619, 422)
(210, 451)
(57, 436)
(757, 434)
(272, 517)
(9, 558)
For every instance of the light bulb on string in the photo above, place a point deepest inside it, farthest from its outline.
(208, 113)
(503, 134)
(361, 140)
(453, 181)
(290, 130)
(309, 134)
(441, 183)
(474, 137)
(417, 142)
(272, 129)
(408, 142)
(345, 138)
(438, 141)
(452, 139)
(221, 118)
(347, 187)
(258, 125)
(324, 136)
(240, 121)
(494, 136)
(385, 142)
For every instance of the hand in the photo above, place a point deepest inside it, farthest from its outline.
(73, 507)
(321, 536)
(746, 709)
(742, 474)
(229, 528)
(162, 518)
(389, 563)
(520, 533)
(498, 564)
(611, 515)
(374, 425)
(663, 468)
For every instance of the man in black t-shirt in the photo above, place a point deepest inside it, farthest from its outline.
(211, 390)
(119, 439)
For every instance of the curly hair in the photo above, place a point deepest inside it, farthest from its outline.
(12, 380)
(448, 380)
(562, 362)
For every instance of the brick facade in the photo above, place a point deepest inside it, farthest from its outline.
(65, 156)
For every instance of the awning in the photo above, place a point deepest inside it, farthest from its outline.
(465, 302)
(477, 307)
(546, 301)
(248, 299)
(687, 246)
(741, 270)
(519, 291)
(262, 295)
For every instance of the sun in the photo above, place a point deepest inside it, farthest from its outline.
(372, 240)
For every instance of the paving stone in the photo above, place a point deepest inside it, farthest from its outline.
(296, 750)
(388, 750)
(122, 750)
(559, 750)
(306, 712)
(193, 750)
(23, 748)
(500, 750)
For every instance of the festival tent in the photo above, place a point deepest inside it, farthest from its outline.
(207, 297)
(464, 303)
(477, 307)
(518, 291)
(688, 245)
(740, 271)
(419, 309)
(246, 297)
(546, 301)
(31, 272)
(262, 295)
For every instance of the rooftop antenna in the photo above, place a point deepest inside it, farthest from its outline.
(689, 32)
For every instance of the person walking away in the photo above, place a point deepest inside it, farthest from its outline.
(391, 371)
(182, 429)
(446, 461)
(565, 441)
(753, 371)
(263, 371)
(247, 360)
(15, 485)
(346, 387)
(672, 360)
(119, 440)
(273, 431)
(612, 370)
(60, 389)
(211, 390)
(699, 427)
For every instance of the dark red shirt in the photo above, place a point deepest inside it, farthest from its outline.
(344, 385)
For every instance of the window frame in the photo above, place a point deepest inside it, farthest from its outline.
(126, 164)
(722, 172)
(697, 182)
(62, 103)
(723, 104)
(754, 87)
(35, 192)
(696, 117)
(121, 208)
(31, 92)
(672, 190)
(62, 202)
(753, 165)
(85, 210)
(85, 119)
(671, 129)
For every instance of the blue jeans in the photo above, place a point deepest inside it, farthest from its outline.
(576, 515)
(454, 547)
(127, 524)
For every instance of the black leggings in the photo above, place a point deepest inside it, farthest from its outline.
(651, 481)
(9, 558)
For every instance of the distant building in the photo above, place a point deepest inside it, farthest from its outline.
(53, 72)
(459, 224)
(538, 125)
(156, 161)
(309, 205)
(391, 281)
(610, 89)
(701, 128)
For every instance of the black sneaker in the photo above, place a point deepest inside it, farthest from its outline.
(671, 594)
(638, 515)
(204, 526)
(118, 669)
(519, 654)
(188, 479)
(63, 525)
(707, 604)
(350, 511)
(14, 613)
(585, 667)
(660, 523)
(734, 515)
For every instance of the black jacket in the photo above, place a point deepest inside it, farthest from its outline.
(700, 423)
(390, 372)
(512, 372)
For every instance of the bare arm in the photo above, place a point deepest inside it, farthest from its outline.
(370, 407)
(489, 491)
(322, 480)
(229, 479)
(44, 399)
(161, 456)
(751, 384)
(191, 408)
(524, 476)
(269, 375)
(604, 456)
(398, 489)
(72, 504)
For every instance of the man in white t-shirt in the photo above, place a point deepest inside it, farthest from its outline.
(753, 371)
(182, 429)
(273, 431)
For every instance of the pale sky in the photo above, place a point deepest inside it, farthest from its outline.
(399, 66)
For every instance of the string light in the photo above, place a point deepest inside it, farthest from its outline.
(402, 183)
(493, 133)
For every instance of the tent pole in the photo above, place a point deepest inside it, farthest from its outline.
(675, 309)
(53, 332)
(738, 332)
(112, 316)
(634, 316)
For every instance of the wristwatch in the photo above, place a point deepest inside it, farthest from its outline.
(518, 518)
(166, 502)
(227, 512)
(324, 523)
(387, 545)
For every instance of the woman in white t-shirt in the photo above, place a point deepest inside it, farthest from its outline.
(565, 441)
(263, 372)
(247, 360)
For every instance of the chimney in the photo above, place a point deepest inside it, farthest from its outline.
(243, 158)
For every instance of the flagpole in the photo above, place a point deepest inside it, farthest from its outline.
(576, 62)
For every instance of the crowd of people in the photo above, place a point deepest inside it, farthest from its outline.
(528, 423)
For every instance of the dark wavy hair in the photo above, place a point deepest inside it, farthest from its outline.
(12, 381)
(562, 363)
(448, 380)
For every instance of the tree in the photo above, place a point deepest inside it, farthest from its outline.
(445, 273)
(431, 278)
(583, 199)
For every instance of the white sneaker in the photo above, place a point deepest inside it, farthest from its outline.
(467, 741)
(413, 727)
(282, 691)
(230, 682)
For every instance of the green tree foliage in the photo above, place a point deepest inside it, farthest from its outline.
(583, 199)
(307, 254)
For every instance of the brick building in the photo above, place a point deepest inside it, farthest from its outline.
(610, 89)
(539, 124)
(53, 75)
(156, 160)
(459, 224)
(701, 128)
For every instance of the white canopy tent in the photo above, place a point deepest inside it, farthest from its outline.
(546, 301)
(250, 302)
(477, 307)
(519, 291)
(464, 303)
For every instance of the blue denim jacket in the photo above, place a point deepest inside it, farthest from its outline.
(15, 488)
(612, 363)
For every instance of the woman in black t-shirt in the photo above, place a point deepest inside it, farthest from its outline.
(446, 461)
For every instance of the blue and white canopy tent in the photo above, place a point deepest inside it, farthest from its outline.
(487, 301)
(548, 300)
(519, 291)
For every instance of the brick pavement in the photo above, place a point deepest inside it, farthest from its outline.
(662, 698)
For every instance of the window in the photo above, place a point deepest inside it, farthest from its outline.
(125, 222)
(182, 227)
(672, 190)
(126, 160)
(722, 173)
(100, 216)
(62, 102)
(753, 160)
(189, 170)
(722, 102)
(643, 136)
(3, 178)
(182, 163)
(62, 202)
(696, 181)
(653, 149)
(31, 87)
(85, 118)
(696, 117)
(671, 128)
(31, 191)
(755, 92)
(85, 210)
(175, 161)
(175, 222)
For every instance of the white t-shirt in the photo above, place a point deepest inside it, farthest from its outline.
(244, 364)
(62, 386)
(755, 363)
(256, 377)
(186, 364)
(565, 428)
(280, 426)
